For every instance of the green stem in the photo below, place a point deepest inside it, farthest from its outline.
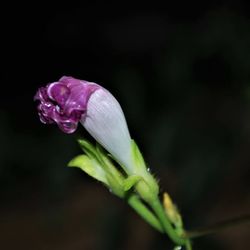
(218, 227)
(159, 211)
(144, 212)
(188, 245)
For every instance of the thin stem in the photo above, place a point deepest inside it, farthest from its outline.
(144, 212)
(188, 245)
(218, 227)
(159, 211)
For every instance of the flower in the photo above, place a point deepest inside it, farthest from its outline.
(71, 100)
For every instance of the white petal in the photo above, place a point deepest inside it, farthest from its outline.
(105, 121)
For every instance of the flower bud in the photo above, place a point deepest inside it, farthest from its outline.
(70, 101)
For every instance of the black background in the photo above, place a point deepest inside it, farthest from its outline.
(181, 73)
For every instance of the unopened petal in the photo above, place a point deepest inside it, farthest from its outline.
(105, 121)
(64, 102)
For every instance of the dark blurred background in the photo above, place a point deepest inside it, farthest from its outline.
(181, 72)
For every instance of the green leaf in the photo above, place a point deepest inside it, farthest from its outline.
(89, 166)
(131, 181)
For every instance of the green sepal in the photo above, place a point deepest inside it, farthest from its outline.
(147, 187)
(131, 181)
(89, 166)
(113, 177)
(138, 158)
(88, 149)
(104, 158)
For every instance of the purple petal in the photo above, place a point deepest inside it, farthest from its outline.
(58, 92)
(64, 102)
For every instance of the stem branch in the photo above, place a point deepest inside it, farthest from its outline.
(218, 227)
(144, 212)
(158, 209)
